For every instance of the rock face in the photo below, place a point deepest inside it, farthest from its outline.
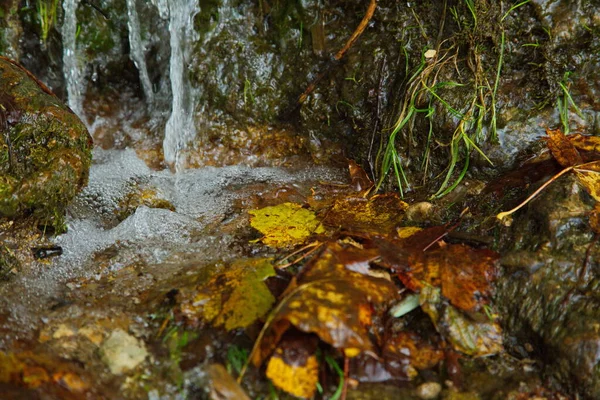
(45, 150)
(543, 296)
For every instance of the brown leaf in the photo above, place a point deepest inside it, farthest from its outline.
(359, 178)
(421, 353)
(377, 215)
(463, 273)
(562, 149)
(332, 301)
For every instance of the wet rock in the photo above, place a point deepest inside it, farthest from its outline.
(555, 306)
(122, 352)
(45, 150)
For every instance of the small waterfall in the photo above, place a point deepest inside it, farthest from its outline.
(180, 129)
(71, 64)
(137, 52)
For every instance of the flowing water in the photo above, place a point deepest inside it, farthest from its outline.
(137, 51)
(180, 129)
(71, 60)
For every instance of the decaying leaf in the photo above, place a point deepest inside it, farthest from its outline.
(420, 353)
(379, 214)
(588, 145)
(474, 338)
(463, 273)
(285, 225)
(331, 301)
(589, 176)
(294, 367)
(562, 149)
(234, 298)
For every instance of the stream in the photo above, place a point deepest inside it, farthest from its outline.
(198, 118)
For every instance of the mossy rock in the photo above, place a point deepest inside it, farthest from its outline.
(45, 149)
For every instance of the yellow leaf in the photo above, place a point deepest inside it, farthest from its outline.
(233, 299)
(589, 176)
(297, 379)
(285, 225)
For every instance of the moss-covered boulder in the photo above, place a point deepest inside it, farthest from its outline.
(45, 150)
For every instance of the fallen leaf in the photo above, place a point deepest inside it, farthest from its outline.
(587, 144)
(474, 338)
(420, 352)
(562, 149)
(294, 367)
(463, 273)
(285, 225)
(331, 301)
(589, 176)
(379, 214)
(234, 298)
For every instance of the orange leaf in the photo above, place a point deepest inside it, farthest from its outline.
(562, 149)
(421, 353)
(332, 301)
(463, 273)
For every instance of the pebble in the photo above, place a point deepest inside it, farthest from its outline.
(429, 390)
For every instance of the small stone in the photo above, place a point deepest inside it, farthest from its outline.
(63, 331)
(419, 212)
(122, 352)
(429, 390)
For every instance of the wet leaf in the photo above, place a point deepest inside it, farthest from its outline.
(587, 144)
(562, 149)
(294, 367)
(379, 214)
(285, 225)
(463, 273)
(420, 353)
(232, 299)
(474, 338)
(359, 178)
(332, 301)
(589, 176)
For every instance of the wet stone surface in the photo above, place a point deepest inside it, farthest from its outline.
(45, 150)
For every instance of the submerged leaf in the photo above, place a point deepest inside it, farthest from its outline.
(379, 214)
(233, 299)
(285, 225)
